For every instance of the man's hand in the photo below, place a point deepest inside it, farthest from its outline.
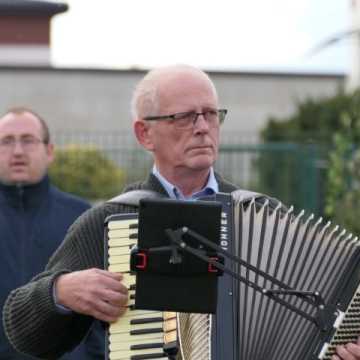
(348, 352)
(94, 292)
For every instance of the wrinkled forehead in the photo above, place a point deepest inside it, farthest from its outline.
(186, 78)
(186, 87)
(13, 124)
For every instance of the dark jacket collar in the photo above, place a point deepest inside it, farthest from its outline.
(24, 195)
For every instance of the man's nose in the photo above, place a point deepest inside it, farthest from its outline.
(200, 123)
(18, 148)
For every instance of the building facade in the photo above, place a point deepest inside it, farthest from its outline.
(90, 100)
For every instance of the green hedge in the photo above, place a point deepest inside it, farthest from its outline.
(332, 124)
(343, 200)
(87, 172)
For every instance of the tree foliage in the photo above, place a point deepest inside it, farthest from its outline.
(343, 200)
(343, 176)
(315, 120)
(332, 124)
(87, 172)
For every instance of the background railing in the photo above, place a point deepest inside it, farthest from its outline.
(291, 172)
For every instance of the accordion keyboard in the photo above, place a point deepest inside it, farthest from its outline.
(138, 334)
(347, 329)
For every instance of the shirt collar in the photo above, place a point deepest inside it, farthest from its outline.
(174, 192)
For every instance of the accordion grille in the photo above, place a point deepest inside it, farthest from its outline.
(194, 335)
(348, 330)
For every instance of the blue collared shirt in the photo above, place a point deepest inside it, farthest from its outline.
(174, 192)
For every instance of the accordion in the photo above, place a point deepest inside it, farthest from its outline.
(295, 295)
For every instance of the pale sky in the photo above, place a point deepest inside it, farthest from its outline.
(268, 35)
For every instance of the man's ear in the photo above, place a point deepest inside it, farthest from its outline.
(50, 151)
(143, 133)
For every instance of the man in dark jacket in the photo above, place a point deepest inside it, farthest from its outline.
(176, 118)
(34, 215)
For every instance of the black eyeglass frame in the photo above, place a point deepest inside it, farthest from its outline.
(178, 116)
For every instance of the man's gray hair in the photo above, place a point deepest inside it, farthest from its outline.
(145, 101)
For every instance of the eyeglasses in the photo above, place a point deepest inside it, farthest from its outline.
(187, 120)
(28, 143)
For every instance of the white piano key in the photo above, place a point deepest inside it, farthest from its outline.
(122, 233)
(120, 259)
(119, 250)
(116, 242)
(121, 224)
(119, 268)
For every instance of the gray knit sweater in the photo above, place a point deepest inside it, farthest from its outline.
(31, 319)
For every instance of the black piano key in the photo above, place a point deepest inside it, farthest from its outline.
(146, 331)
(146, 320)
(148, 356)
(146, 346)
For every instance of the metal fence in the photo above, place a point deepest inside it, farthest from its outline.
(291, 172)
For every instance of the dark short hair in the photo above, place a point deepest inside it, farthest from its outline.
(18, 110)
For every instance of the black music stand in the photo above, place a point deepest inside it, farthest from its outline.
(168, 278)
(177, 278)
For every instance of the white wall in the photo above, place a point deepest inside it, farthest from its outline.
(99, 100)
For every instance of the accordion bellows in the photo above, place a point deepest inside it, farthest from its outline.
(301, 253)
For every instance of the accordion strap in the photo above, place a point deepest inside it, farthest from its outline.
(133, 197)
(246, 195)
